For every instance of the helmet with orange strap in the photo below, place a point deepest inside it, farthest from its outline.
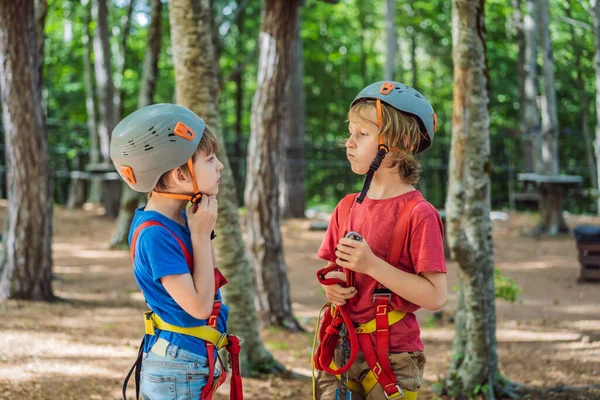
(404, 99)
(153, 140)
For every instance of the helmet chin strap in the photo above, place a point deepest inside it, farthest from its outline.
(194, 198)
(381, 153)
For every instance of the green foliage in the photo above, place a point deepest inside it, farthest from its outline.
(506, 288)
(343, 51)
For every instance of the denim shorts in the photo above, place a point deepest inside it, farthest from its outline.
(172, 373)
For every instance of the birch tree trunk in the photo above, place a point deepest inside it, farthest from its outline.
(549, 114)
(104, 82)
(292, 199)
(26, 261)
(95, 194)
(475, 360)
(550, 205)
(196, 86)
(528, 165)
(269, 109)
(391, 40)
(530, 106)
(130, 199)
(596, 18)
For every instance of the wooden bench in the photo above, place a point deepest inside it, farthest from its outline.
(588, 247)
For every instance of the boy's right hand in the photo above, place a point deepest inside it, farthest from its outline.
(337, 294)
(203, 216)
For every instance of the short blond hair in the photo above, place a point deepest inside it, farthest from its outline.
(401, 132)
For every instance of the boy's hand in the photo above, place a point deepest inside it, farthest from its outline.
(337, 294)
(354, 255)
(203, 216)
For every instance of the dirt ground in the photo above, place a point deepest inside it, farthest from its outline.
(81, 346)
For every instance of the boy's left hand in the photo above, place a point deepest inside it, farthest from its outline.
(354, 255)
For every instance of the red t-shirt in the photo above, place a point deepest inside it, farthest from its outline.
(375, 220)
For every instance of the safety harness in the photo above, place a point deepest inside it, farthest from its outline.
(337, 319)
(214, 339)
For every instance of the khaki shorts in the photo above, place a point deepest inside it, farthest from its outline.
(408, 368)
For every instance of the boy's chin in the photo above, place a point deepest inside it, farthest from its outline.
(358, 170)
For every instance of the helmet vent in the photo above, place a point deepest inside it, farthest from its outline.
(418, 95)
(152, 127)
(172, 140)
(148, 148)
(154, 133)
(171, 134)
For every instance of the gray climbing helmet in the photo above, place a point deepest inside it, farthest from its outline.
(405, 99)
(152, 141)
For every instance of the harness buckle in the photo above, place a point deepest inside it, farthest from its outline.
(382, 292)
(343, 393)
(394, 396)
(220, 341)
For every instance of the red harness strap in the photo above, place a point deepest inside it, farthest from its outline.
(332, 322)
(233, 348)
(376, 357)
(330, 331)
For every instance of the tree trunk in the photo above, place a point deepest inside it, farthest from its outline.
(528, 165)
(153, 42)
(238, 79)
(41, 10)
(475, 361)
(196, 72)
(95, 194)
(413, 57)
(552, 221)
(585, 112)
(120, 52)
(292, 197)
(130, 199)
(363, 47)
(549, 114)
(596, 18)
(104, 80)
(391, 40)
(530, 108)
(269, 110)
(26, 264)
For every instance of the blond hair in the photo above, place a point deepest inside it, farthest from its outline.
(208, 143)
(401, 133)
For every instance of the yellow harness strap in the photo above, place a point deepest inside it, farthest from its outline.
(394, 316)
(206, 333)
(369, 381)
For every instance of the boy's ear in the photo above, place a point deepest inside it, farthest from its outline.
(178, 176)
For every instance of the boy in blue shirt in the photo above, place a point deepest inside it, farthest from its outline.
(168, 152)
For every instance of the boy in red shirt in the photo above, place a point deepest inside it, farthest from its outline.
(399, 265)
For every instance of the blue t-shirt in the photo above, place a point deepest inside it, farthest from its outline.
(158, 254)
